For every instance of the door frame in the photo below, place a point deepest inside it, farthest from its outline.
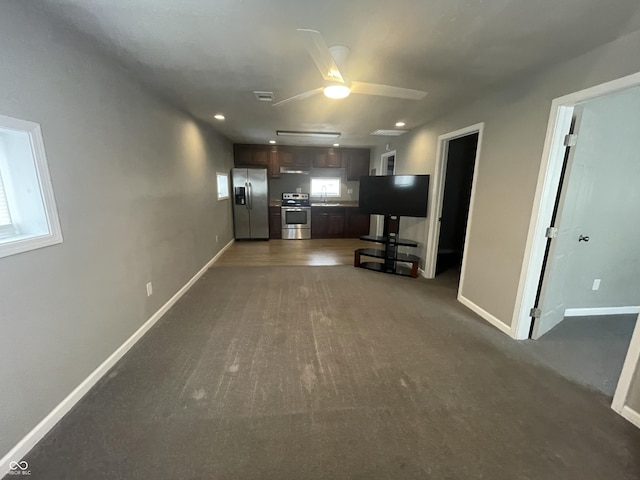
(382, 173)
(626, 377)
(437, 196)
(383, 158)
(546, 192)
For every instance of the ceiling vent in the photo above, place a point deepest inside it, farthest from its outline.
(389, 133)
(264, 96)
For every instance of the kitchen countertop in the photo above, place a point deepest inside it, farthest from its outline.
(344, 203)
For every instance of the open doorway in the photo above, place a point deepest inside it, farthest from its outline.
(589, 289)
(452, 200)
(461, 159)
(388, 163)
(582, 270)
(387, 167)
(591, 265)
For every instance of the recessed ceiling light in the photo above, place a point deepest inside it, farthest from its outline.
(218, 116)
(400, 124)
(336, 144)
(272, 141)
(336, 91)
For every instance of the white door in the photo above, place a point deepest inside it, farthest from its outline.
(596, 213)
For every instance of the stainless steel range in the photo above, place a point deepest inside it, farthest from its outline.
(296, 216)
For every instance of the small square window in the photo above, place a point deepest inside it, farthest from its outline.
(28, 215)
(223, 186)
(325, 187)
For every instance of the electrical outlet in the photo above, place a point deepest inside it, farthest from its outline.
(596, 284)
(149, 289)
(349, 190)
(299, 190)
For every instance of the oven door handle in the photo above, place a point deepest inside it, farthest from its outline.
(287, 209)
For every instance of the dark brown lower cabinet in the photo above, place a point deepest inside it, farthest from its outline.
(275, 222)
(338, 222)
(357, 223)
(319, 223)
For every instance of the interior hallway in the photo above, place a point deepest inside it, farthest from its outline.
(333, 372)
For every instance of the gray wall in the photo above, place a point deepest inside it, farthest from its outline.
(516, 119)
(134, 181)
(288, 182)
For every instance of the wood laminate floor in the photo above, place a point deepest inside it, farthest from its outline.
(316, 252)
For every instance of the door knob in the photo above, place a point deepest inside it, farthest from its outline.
(583, 238)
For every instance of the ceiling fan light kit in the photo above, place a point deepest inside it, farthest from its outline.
(327, 61)
(336, 91)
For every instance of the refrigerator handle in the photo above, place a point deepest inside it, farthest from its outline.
(250, 196)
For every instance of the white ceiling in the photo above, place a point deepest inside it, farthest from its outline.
(208, 56)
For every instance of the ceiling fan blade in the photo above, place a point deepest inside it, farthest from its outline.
(321, 55)
(386, 91)
(300, 96)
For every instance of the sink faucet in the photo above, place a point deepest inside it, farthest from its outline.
(323, 194)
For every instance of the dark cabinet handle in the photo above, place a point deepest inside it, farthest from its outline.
(583, 238)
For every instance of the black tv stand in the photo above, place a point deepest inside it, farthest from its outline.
(393, 262)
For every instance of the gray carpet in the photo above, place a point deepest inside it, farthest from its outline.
(587, 350)
(333, 373)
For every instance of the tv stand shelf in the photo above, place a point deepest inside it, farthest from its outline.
(394, 261)
(402, 242)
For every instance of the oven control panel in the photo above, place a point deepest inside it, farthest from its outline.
(297, 199)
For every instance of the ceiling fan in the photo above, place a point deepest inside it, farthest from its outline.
(327, 59)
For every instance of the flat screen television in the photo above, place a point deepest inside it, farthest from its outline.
(402, 195)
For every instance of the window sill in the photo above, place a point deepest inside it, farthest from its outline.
(24, 243)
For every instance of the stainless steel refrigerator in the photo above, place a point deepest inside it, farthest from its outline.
(250, 203)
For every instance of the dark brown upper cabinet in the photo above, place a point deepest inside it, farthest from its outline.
(328, 158)
(251, 156)
(357, 162)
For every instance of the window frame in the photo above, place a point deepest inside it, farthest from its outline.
(222, 196)
(320, 195)
(18, 243)
(5, 230)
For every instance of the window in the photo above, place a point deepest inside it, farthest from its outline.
(325, 187)
(223, 186)
(28, 216)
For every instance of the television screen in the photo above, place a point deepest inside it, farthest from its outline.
(402, 195)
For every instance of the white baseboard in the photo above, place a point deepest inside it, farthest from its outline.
(503, 327)
(39, 431)
(631, 415)
(588, 312)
